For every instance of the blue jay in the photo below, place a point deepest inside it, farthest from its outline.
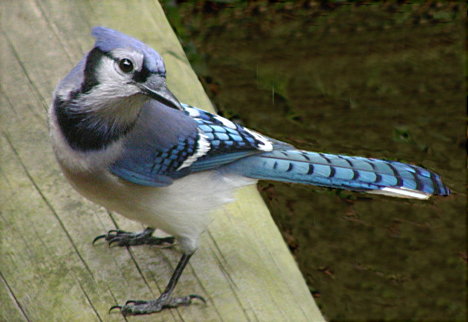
(124, 141)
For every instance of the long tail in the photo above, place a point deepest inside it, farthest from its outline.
(345, 172)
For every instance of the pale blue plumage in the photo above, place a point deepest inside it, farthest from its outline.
(339, 171)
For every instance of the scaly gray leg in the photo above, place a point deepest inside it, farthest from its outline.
(164, 301)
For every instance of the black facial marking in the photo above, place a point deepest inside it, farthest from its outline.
(92, 62)
(142, 75)
(86, 132)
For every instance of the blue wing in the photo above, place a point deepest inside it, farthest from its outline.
(167, 144)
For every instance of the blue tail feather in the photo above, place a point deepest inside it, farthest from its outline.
(344, 172)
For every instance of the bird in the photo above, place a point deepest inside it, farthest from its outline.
(124, 141)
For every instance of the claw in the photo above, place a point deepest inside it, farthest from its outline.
(198, 297)
(138, 307)
(115, 307)
(117, 237)
(135, 302)
(97, 238)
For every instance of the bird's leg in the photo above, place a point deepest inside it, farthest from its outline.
(164, 301)
(122, 238)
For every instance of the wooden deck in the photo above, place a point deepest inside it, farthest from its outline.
(49, 271)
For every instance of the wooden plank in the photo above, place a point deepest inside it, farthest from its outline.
(49, 269)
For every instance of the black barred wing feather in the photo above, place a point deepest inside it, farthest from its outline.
(227, 140)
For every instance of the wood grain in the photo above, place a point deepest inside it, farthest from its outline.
(49, 271)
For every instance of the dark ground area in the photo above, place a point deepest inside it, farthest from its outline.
(381, 80)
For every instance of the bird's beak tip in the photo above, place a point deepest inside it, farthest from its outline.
(164, 96)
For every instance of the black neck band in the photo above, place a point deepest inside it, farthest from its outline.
(85, 132)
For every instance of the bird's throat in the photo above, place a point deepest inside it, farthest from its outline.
(91, 130)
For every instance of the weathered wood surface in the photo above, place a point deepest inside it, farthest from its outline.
(49, 271)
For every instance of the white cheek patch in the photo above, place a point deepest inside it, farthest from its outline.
(108, 75)
(112, 91)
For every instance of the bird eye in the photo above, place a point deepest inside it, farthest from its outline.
(126, 65)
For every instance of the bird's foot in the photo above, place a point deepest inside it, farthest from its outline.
(133, 307)
(122, 238)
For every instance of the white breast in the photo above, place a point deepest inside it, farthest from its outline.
(181, 209)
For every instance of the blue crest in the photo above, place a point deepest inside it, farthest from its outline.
(108, 39)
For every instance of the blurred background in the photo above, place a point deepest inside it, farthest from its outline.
(375, 79)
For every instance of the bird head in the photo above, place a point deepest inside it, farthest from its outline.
(120, 66)
(100, 99)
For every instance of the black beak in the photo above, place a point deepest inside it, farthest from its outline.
(156, 88)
